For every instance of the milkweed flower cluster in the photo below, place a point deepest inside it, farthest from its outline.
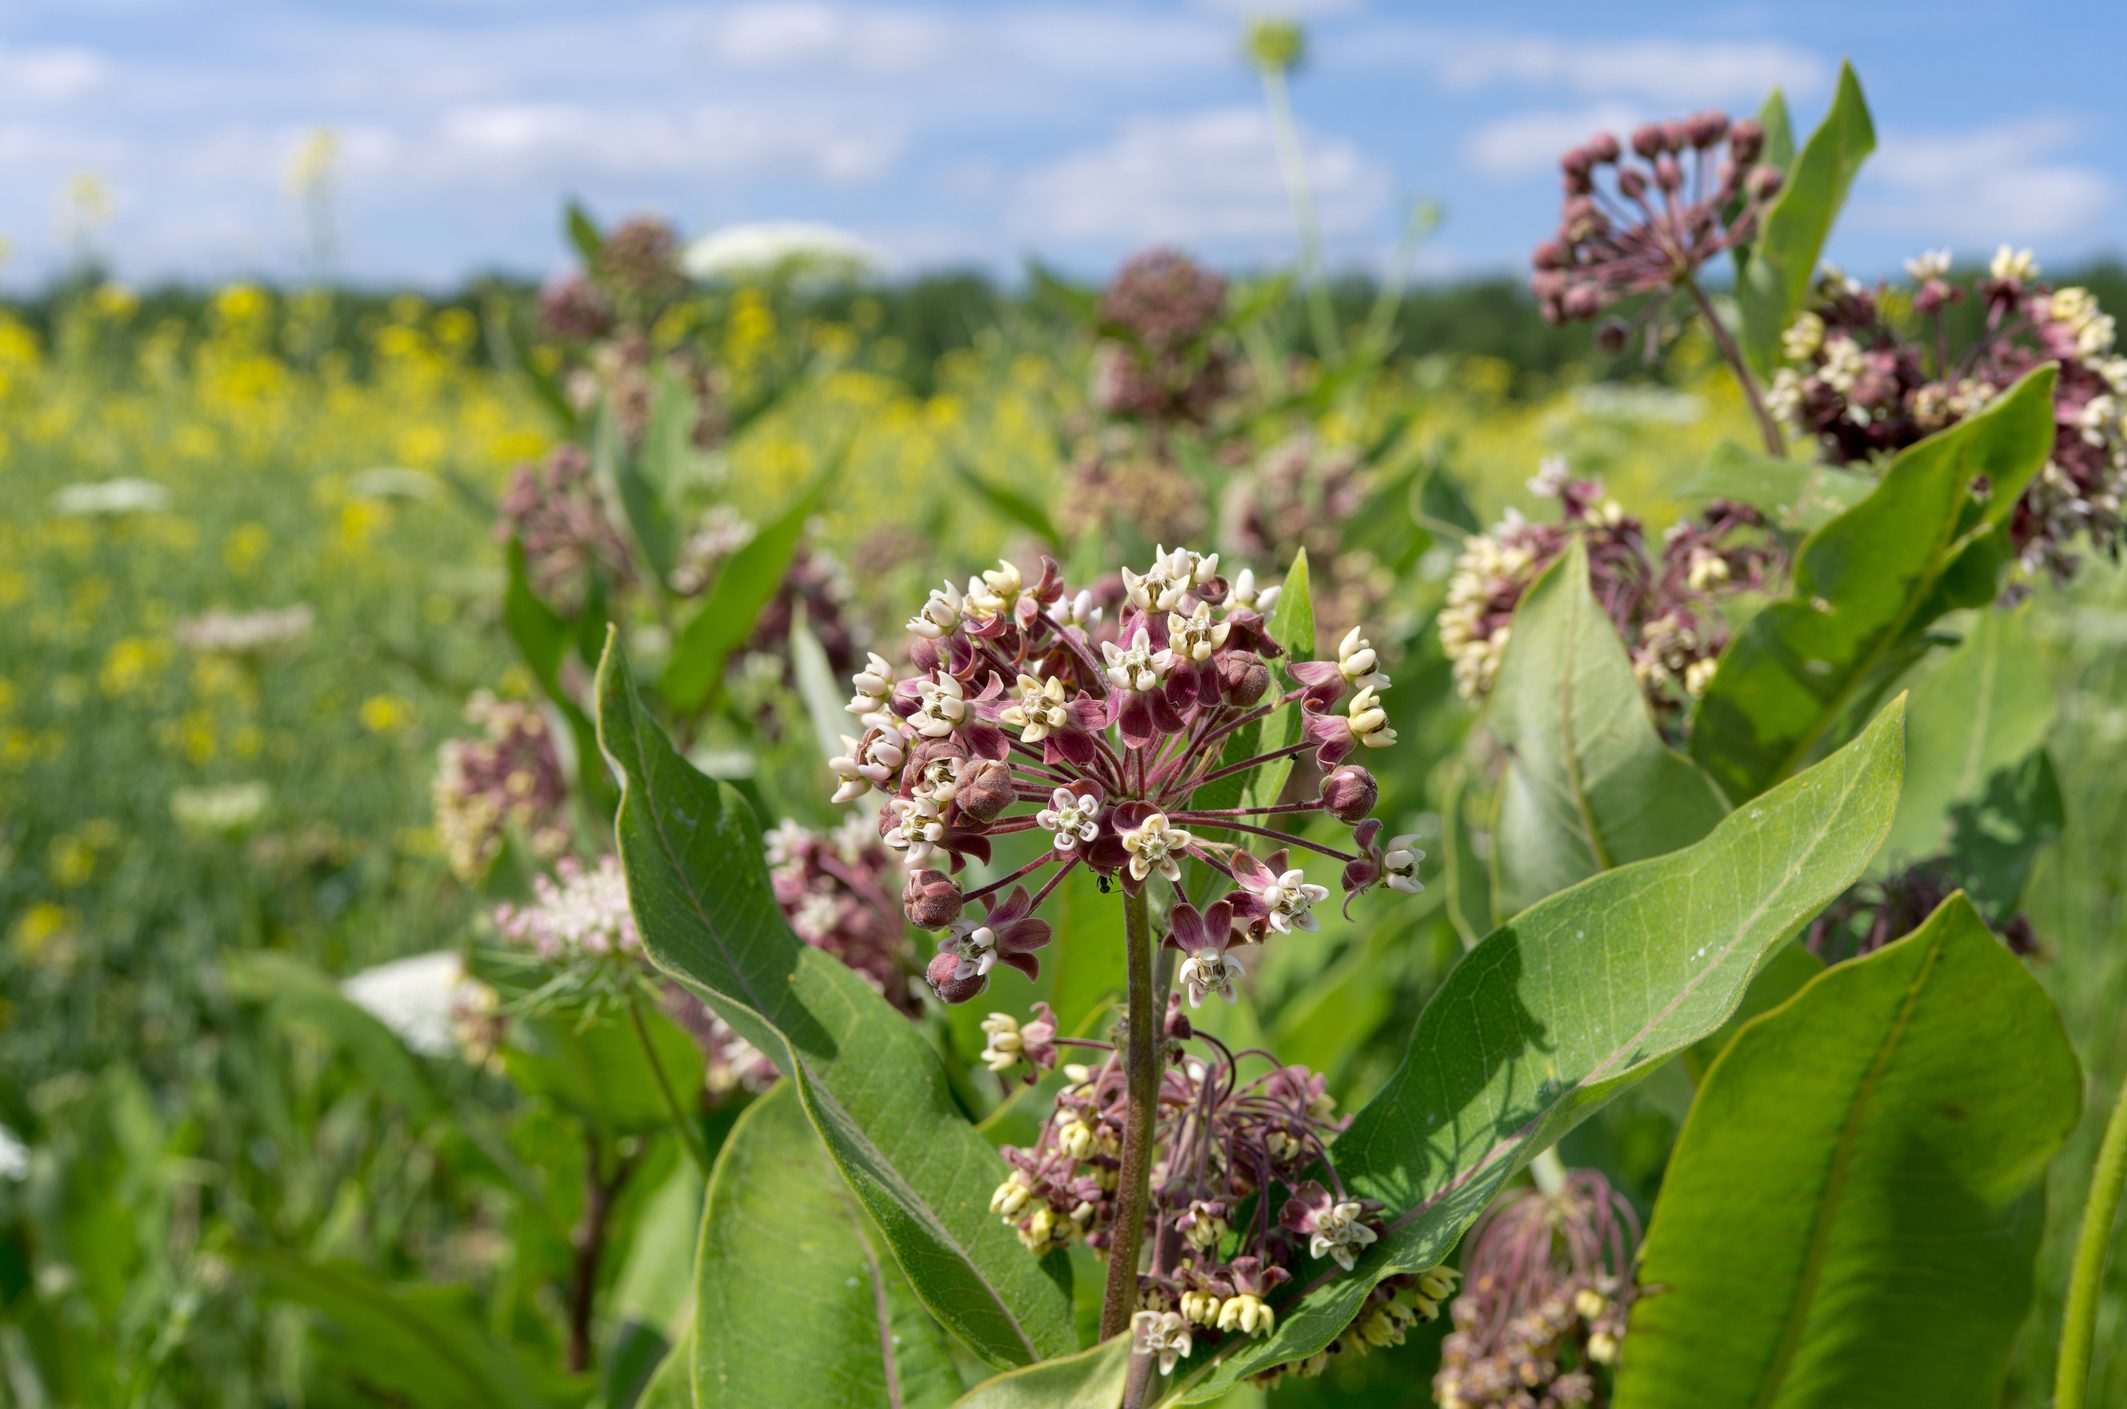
(1865, 383)
(578, 913)
(1237, 1205)
(838, 890)
(1665, 605)
(1546, 1290)
(509, 778)
(555, 511)
(1122, 481)
(1682, 193)
(1160, 359)
(1023, 708)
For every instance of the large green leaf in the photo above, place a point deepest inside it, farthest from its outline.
(1981, 790)
(874, 1088)
(1589, 784)
(413, 1345)
(1566, 1004)
(1092, 1379)
(1796, 494)
(793, 1305)
(1850, 1216)
(744, 586)
(1865, 585)
(1783, 257)
(297, 992)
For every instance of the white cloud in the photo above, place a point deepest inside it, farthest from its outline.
(1202, 178)
(1284, 9)
(1522, 143)
(823, 38)
(1668, 71)
(2010, 181)
(51, 75)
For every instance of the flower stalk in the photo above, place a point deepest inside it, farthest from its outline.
(2085, 1283)
(1141, 1073)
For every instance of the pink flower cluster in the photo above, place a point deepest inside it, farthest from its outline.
(1688, 190)
(555, 510)
(1022, 709)
(1159, 359)
(837, 890)
(1864, 383)
(511, 778)
(1665, 605)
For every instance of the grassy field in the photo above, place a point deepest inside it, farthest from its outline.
(162, 806)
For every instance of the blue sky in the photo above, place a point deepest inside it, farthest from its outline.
(963, 133)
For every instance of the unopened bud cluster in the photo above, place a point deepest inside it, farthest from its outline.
(1160, 358)
(1546, 1290)
(1665, 604)
(1023, 708)
(1865, 380)
(1643, 219)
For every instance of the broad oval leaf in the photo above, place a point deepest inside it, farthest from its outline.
(1783, 257)
(1091, 1379)
(1589, 784)
(872, 1086)
(1796, 494)
(1564, 1005)
(1850, 1216)
(1865, 585)
(793, 1304)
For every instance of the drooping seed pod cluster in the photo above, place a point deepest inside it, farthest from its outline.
(1023, 708)
(1547, 1285)
(1665, 605)
(510, 778)
(1682, 193)
(1865, 382)
(838, 890)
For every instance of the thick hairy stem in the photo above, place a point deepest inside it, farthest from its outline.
(2079, 1322)
(1141, 1075)
(1768, 428)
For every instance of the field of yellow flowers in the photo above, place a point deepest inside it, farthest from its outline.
(250, 578)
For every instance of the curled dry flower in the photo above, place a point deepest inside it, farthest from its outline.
(1666, 605)
(1023, 707)
(1865, 381)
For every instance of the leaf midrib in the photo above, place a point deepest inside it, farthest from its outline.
(1826, 1211)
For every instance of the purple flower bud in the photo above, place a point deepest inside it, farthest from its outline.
(931, 899)
(985, 790)
(1583, 301)
(1177, 1028)
(1706, 129)
(1350, 793)
(1647, 141)
(1745, 140)
(1243, 677)
(1550, 255)
(1764, 182)
(1632, 183)
(1667, 174)
(1603, 148)
(948, 988)
(1611, 335)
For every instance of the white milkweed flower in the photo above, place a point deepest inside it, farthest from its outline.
(1070, 816)
(2013, 264)
(1155, 846)
(1209, 970)
(940, 614)
(1139, 667)
(1163, 1335)
(1245, 593)
(1928, 264)
(941, 706)
(1002, 1043)
(873, 686)
(1039, 709)
(417, 998)
(1356, 660)
(1399, 863)
(1369, 721)
(1196, 636)
(1339, 1234)
(1292, 898)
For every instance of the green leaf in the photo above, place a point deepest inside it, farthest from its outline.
(416, 1345)
(650, 1301)
(298, 992)
(792, 1303)
(1779, 132)
(1091, 1379)
(1464, 875)
(596, 1068)
(1785, 972)
(1589, 784)
(871, 1084)
(1865, 585)
(1784, 255)
(631, 499)
(543, 638)
(1445, 508)
(1792, 493)
(817, 687)
(1010, 504)
(743, 588)
(1851, 1213)
(583, 234)
(1995, 838)
(1291, 625)
(1979, 712)
(1564, 1006)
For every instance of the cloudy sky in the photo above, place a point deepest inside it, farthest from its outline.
(977, 133)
